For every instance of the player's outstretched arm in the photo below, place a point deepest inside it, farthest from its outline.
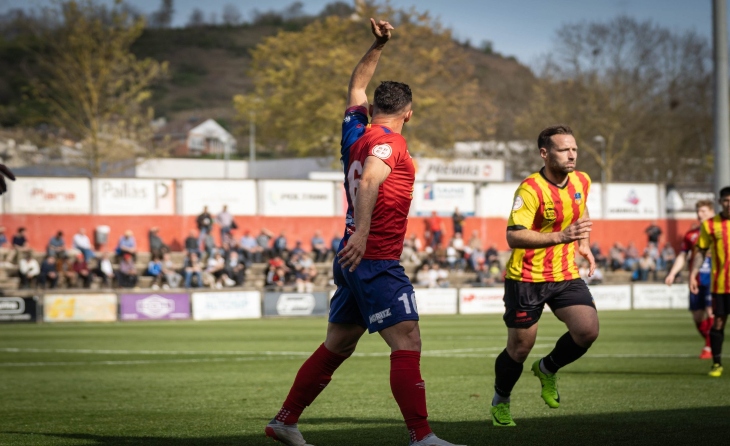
(365, 69)
(528, 239)
(5, 172)
(374, 173)
(676, 268)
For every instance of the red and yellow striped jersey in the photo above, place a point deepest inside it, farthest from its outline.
(542, 206)
(714, 234)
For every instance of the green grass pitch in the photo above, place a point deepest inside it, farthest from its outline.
(219, 383)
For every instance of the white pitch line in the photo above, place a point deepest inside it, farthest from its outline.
(142, 362)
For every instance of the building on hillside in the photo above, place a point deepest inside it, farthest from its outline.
(210, 138)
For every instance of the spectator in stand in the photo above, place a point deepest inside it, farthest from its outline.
(439, 256)
(280, 245)
(477, 260)
(304, 272)
(436, 226)
(205, 224)
(127, 272)
(452, 257)
(277, 272)
(209, 245)
(335, 244)
(192, 244)
(82, 243)
(19, 244)
(458, 220)
(475, 242)
(57, 246)
(423, 276)
(157, 247)
(68, 273)
(319, 247)
(428, 241)
(216, 268)
(193, 268)
(235, 270)
(105, 270)
(127, 245)
(263, 240)
(631, 257)
(653, 232)
(485, 276)
(439, 275)
(225, 222)
(154, 270)
(617, 256)
(48, 277)
(491, 255)
(584, 269)
(410, 250)
(644, 266)
(81, 271)
(4, 250)
(598, 255)
(297, 248)
(172, 277)
(668, 256)
(28, 270)
(251, 252)
(458, 244)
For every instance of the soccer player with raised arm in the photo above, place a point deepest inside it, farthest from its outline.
(714, 235)
(547, 227)
(373, 291)
(700, 304)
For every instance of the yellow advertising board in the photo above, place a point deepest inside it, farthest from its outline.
(80, 307)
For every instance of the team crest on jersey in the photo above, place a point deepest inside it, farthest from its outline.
(578, 198)
(347, 119)
(382, 151)
(549, 213)
(518, 203)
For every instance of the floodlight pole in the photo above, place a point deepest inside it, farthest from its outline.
(721, 96)
(251, 144)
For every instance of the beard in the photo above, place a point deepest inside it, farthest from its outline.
(556, 167)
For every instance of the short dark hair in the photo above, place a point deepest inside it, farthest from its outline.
(544, 139)
(392, 97)
(725, 191)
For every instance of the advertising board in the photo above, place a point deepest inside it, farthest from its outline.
(443, 198)
(476, 170)
(632, 202)
(80, 307)
(611, 297)
(296, 304)
(238, 195)
(436, 300)
(18, 309)
(154, 306)
(127, 196)
(297, 198)
(49, 196)
(226, 305)
(661, 296)
(481, 300)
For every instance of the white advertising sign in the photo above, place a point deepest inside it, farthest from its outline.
(632, 202)
(297, 198)
(496, 199)
(49, 196)
(443, 198)
(436, 300)
(435, 169)
(134, 197)
(611, 297)
(661, 296)
(481, 300)
(232, 305)
(80, 307)
(238, 195)
(595, 198)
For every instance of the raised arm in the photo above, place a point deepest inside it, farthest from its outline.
(363, 72)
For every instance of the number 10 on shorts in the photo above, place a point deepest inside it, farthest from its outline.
(408, 302)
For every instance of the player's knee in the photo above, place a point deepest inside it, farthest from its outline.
(586, 336)
(520, 350)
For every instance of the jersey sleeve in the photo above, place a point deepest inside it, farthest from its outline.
(353, 125)
(524, 208)
(390, 148)
(687, 244)
(704, 242)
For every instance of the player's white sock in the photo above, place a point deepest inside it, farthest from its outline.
(543, 369)
(499, 399)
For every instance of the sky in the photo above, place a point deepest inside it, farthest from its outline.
(524, 29)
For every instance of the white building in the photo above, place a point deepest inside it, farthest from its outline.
(210, 138)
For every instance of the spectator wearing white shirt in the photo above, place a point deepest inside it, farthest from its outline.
(105, 270)
(82, 243)
(28, 270)
(225, 221)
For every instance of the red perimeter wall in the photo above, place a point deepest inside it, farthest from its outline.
(174, 229)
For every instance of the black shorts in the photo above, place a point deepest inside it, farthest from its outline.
(524, 301)
(720, 304)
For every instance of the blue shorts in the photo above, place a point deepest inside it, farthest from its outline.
(701, 300)
(377, 295)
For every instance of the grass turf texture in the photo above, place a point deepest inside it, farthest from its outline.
(219, 383)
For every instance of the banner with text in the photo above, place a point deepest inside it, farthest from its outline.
(296, 304)
(481, 300)
(18, 309)
(611, 297)
(443, 198)
(80, 307)
(149, 306)
(476, 170)
(238, 195)
(661, 296)
(126, 196)
(226, 305)
(632, 202)
(436, 300)
(297, 198)
(49, 196)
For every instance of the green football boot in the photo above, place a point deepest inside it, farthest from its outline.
(501, 415)
(716, 371)
(549, 383)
